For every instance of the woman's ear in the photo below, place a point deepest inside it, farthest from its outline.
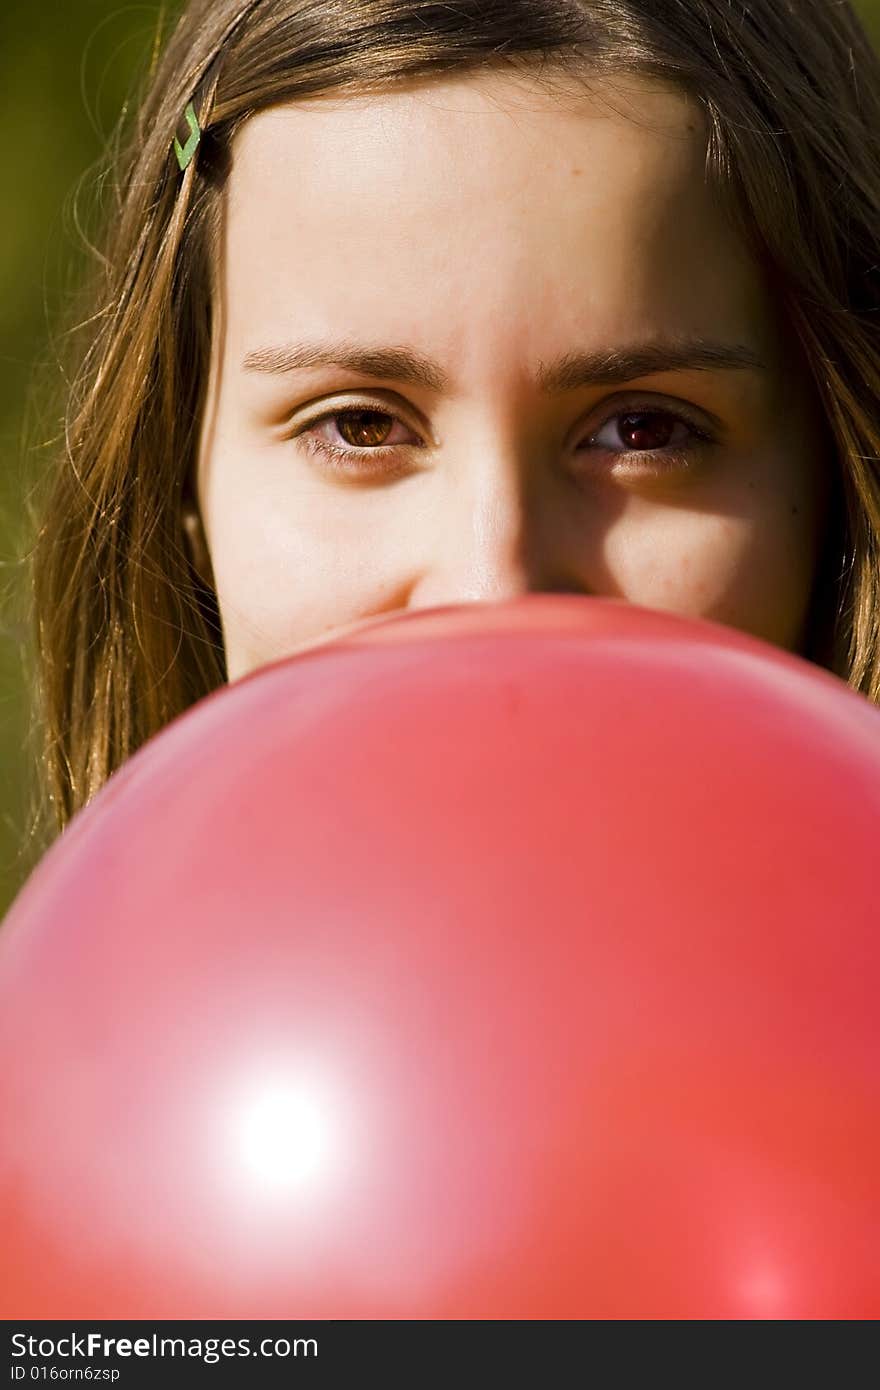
(196, 544)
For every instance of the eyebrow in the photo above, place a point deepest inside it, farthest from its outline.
(599, 367)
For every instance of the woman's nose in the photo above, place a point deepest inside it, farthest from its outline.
(492, 539)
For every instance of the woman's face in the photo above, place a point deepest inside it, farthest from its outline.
(474, 341)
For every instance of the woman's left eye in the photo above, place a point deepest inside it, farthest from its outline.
(650, 433)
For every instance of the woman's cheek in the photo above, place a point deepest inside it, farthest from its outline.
(755, 574)
(678, 561)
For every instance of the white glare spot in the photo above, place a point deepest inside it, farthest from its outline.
(284, 1135)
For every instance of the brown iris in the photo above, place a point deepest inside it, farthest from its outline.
(361, 427)
(646, 429)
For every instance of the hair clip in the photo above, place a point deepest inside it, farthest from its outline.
(185, 152)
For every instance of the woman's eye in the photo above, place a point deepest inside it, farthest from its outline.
(658, 436)
(359, 437)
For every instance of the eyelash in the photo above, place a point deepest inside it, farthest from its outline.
(341, 460)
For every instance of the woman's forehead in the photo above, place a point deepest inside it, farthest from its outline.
(478, 209)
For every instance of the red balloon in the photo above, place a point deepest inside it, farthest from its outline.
(515, 960)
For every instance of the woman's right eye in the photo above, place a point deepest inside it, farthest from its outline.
(364, 432)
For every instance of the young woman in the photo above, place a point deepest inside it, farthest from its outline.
(405, 304)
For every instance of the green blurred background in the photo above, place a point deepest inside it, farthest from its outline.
(67, 67)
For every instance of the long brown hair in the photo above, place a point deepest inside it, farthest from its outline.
(127, 636)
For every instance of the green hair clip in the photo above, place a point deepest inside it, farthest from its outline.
(205, 86)
(185, 152)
